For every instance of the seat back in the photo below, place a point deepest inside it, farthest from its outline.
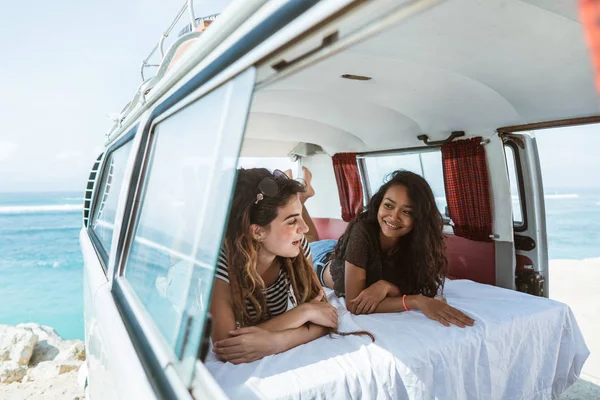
(330, 228)
(467, 259)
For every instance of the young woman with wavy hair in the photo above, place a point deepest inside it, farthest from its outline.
(391, 257)
(265, 262)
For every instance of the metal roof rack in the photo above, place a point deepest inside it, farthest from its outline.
(186, 34)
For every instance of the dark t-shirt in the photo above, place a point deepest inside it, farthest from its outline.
(363, 250)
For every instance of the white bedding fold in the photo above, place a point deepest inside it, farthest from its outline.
(521, 347)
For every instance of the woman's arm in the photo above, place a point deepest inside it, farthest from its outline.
(291, 319)
(359, 298)
(253, 343)
(380, 298)
(434, 309)
(316, 311)
(295, 337)
(221, 309)
(355, 281)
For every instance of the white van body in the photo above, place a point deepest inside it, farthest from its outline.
(265, 80)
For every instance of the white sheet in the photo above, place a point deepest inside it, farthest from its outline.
(521, 347)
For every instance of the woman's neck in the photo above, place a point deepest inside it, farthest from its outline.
(387, 244)
(265, 261)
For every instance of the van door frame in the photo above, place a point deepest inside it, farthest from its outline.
(531, 241)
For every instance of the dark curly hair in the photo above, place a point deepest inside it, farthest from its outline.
(427, 260)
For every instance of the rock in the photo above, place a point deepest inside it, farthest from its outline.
(71, 350)
(17, 344)
(36, 363)
(51, 346)
(64, 368)
(60, 387)
(47, 370)
(46, 348)
(11, 371)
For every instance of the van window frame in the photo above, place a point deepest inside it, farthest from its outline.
(103, 256)
(522, 226)
(147, 340)
(165, 386)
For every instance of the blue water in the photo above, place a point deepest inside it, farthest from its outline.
(41, 276)
(573, 224)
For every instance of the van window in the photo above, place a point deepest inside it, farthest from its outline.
(179, 223)
(428, 164)
(517, 204)
(105, 210)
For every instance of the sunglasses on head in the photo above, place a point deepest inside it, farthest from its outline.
(268, 186)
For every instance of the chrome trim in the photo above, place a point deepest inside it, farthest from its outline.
(190, 7)
(364, 179)
(161, 348)
(166, 62)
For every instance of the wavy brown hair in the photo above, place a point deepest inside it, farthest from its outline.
(427, 264)
(242, 249)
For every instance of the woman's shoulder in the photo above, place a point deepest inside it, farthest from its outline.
(362, 229)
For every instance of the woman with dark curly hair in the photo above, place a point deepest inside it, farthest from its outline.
(391, 257)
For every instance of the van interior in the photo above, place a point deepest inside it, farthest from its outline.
(451, 90)
(496, 67)
(486, 74)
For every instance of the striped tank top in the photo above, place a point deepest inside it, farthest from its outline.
(276, 295)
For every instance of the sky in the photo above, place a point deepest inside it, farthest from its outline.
(66, 65)
(569, 158)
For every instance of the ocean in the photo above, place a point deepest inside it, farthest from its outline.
(41, 276)
(573, 224)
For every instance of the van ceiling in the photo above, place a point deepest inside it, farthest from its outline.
(469, 65)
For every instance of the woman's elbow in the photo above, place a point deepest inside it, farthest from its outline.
(219, 334)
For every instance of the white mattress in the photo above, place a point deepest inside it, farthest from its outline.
(521, 347)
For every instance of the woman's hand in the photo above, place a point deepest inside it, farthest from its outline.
(368, 299)
(443, 313)
(320, 313)
(246, 345)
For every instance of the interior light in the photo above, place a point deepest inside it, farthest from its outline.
(357, 77)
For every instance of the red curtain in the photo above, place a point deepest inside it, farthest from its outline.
(349, 186)
(589, 15)
(467, 189)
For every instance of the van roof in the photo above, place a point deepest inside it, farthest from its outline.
(461, 65)
(466, 65)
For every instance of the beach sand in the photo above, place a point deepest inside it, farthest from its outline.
(576, 283)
